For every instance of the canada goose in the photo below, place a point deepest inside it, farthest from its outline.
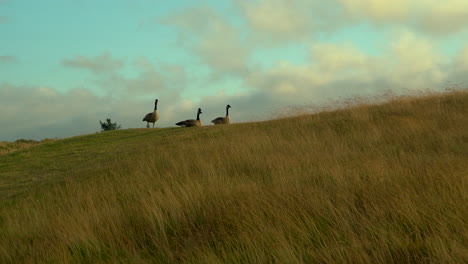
(222, 120)
(152, 117)
(191, 122)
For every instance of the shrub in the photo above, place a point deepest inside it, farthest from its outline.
(108, 125)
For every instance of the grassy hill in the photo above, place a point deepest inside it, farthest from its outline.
(381, 183)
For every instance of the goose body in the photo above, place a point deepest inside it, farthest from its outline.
(152, 117)
(191, 122)
(222, 120)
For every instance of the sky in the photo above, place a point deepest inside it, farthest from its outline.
(67, 64)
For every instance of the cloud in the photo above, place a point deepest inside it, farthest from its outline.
(409, 63)
(282, 21)
(377, 10)
(335, 57)
(42, 112)
(277, 18)
(407, 60)
(430, 16)
(274, 22)
(334, 71)
(443, 17)
(143, 78)
(7, 59)
(211, 37)
(38, 112)
(328, 64)
(148, 79)
(100, 64)
(461, 60)
(459, 67)
(414, 61)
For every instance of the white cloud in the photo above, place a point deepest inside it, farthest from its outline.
(461, 60)
(338, 57)
(277, 17)
(443, 17)
(409, 63)
(32, 112)
(274, 22)
(151, 80)
(147, 78)
(43, 112)
(283, 21)
(430, 16)
(211, 37)
(414, 62)
(38, 112)
(377, 10)
(459, 67)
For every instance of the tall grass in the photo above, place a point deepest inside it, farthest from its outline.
(8, 147)
(369, 184)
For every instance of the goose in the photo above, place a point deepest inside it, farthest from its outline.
(222, 120)
(191, 122)
(152, 117)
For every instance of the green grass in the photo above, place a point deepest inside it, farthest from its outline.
(52, 162)
(369, 184)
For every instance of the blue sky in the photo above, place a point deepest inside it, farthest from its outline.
(66, 64)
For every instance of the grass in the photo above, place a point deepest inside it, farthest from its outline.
(8, 147)
(380, 183)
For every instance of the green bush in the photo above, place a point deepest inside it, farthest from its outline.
(108, 125)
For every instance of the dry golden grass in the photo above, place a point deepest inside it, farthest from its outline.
(369, 184)
(8, 147)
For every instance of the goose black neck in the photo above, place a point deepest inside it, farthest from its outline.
(227, 110)
(156, 105)
(198, 115)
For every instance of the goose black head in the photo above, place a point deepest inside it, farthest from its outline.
(199, 111)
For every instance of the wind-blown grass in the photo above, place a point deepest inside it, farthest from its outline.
(8, 147)
(369, 184)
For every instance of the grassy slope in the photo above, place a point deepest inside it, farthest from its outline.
(8, 147)
(372, 184)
